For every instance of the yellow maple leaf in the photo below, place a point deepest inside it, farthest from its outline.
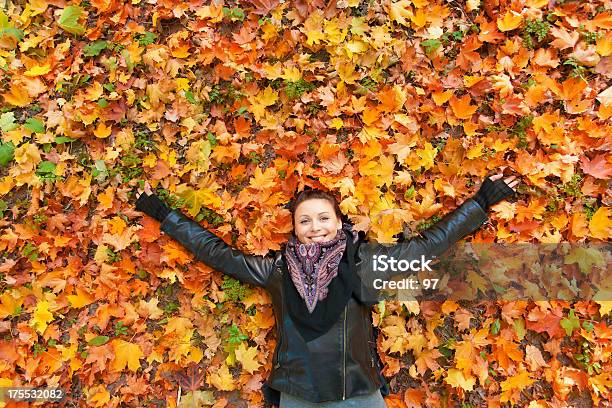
(292, 74)
(355, 47)
(97, 396)
(401, 11)
(456, 378)
(601, 383)
(37, 7)
(18, 96)
(516, 382)
(213, 12)
(605, 306)
(510, 21)
(604, 46)
(402, 146)
(426, 208)
(37, 70)
(346, 72)
(116, 225)
(195, 354)
(41, 316)
(312, 28)
(443, 186)
(265, 98)
(600, 225)
(426, 157)
(103, 131)
(28, 157)
(105, 199)
(263, 180)
(182, 84)
(419, 18)
(196, 199)
(269, 31)
(505, 210)
(82, 298)
(222, 380)
(472, 4)
(440, 98)
(336, 123)
(126, 354)
(247, 356)
(385, 226)
(475, 151)
(179, 325)
(379, 169)
(149, 309)
(10, 302)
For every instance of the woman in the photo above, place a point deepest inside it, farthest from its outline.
(326, 350)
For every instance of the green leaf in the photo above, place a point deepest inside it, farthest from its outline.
(98, 341)
(146, 38)
(7, 29)
(109, 87)
(46, 167)
(12, 32)
(63, 139)
(3, 207)
(94, 49)
(103, 103)
(570, 323)
(35, 125)
(7, 122)
(7, 153)
(495, 326)
(519, 328)
(431, 45)
(69, 20)
(189, 97)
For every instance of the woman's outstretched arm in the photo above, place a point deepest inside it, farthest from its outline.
(205, 245)
(464, 220)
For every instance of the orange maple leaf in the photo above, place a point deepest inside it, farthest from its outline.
(462, 107)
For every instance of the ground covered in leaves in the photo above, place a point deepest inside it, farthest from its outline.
(400, 108)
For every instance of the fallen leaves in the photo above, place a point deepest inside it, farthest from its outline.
(400, 107)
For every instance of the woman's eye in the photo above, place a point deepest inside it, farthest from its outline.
(303, 221)
(324, 219)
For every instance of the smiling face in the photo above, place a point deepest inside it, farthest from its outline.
(316, 221)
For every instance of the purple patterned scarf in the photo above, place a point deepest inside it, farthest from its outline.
(312, 266)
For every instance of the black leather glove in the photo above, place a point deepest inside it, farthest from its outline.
(152, 206)
(492, 192)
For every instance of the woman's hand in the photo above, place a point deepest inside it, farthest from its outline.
(511, 181)
(151, 205)
(494, 189)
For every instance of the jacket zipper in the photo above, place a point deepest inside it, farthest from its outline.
(344, 354)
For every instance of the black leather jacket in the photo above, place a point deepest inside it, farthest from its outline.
(343, 362)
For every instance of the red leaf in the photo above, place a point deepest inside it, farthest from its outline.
(598, 167)
(191, 379)
(263, 7)
(540, 321)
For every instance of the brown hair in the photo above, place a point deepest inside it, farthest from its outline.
(313, 194)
